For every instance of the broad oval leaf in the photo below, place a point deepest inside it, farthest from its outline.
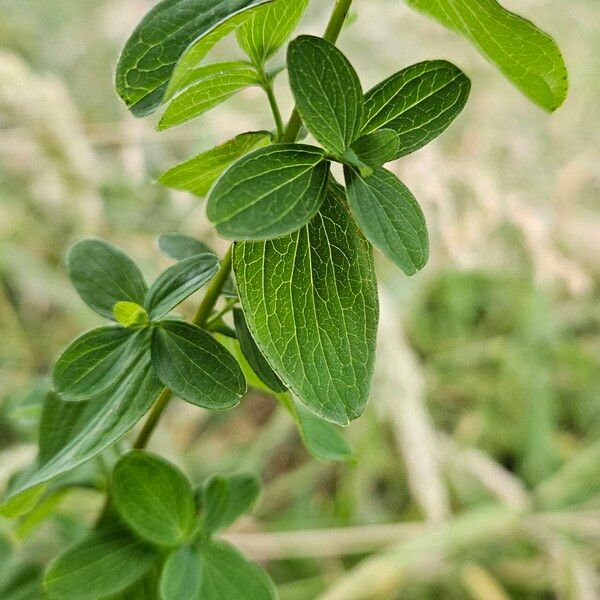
(161, 38)
(104, 275)
(178, 282)
(327, 91)
(153, 498)
(104, 563)
(270, 192)
(527, 56)
(198, 174)
(192, 364)
(390, 217)
(418, 103)
(310, 301)
(181, 576)
(268, 28)
(96, 360)
(211, 85)
(179, 246)
(377, 148)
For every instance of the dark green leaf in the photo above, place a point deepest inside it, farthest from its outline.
(327, 92)
(19, 580)
(253, 355)
(268, 28)
(104, 563)
(269, 193)
(96, 360)
(181, 576)
(526, 55)
(228, 574)
(212, 84)
(418, 103)
(227, 497)
(198, 174)
(390, 217)
(178, 282)
(179, 247)
(153, 497)
(130, 315)
(153, 49)
(310, 301)
(377, 148)
(196, 367)
(104, 275)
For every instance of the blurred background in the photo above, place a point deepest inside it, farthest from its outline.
(478, 460)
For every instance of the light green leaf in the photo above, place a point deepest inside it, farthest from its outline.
(153, 498)
(390, 217)
(192, 364)
(253, 355)
(104, 275)
(179, 246)
(161, 38)
(526, 55)
(327, 92)
(269, 193)
(310, 301)
(198, 174)
(22, 503)
(178, 282)
(228, 574)
(268, 28)
(377, 148)
(105, 562)
(227, 497)
(211, 85)
(418, 103)
(96, 360)
(130, 315)
(181, 576)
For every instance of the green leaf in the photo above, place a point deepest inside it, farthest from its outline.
(22, 503)
(181, 576)
(104, 275)
(270, 192)
(96, 360)
(418, 103)
(268, 28)
(198, 174)
(212, 84)
(253, 355)
(327, 92)
(390, 217)
(161, 38)
(104, 563)
(153, 497)
(228, 574)
(526, 55)
(192, 364)
(377, 148)
(179, 246)
(130, 315)
(310, 301)
(227, 497)
(178, 282)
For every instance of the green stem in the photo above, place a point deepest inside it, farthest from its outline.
(267, 85)
(332, 32)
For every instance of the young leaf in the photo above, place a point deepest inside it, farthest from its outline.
(268, 28)
(377, 148)
(327, 92)
(96, 360)
(390, 217)
(526, 55)
(178, 282)
(198, 174)
(270, 192)
(253, 355)
(181, 576)
(310, 301)
(418, 103)
(228, 574)
(104, 275)
(227, 497)
(170, 27)
(153, 497)
(179, 246)
(130, 315)
(211, 85)
(196, 367)
(105, 562)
